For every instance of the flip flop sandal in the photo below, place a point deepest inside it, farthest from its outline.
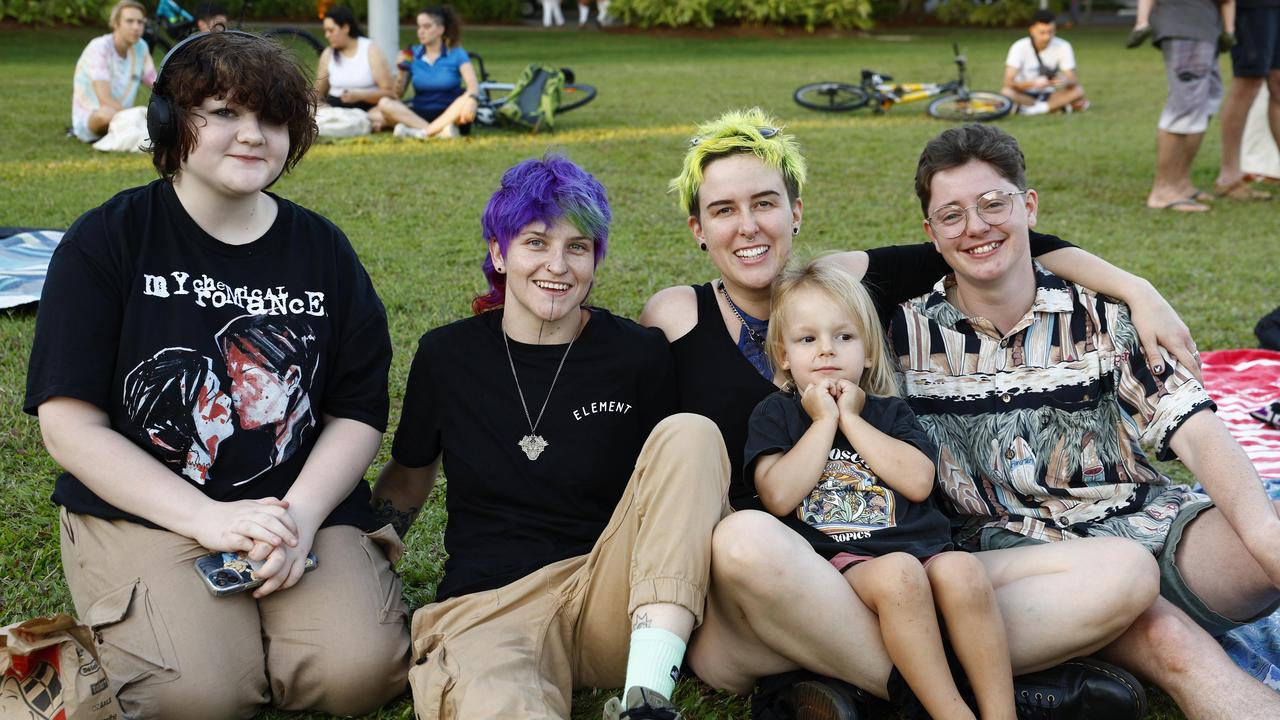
(1240, 190)
(1202, 196)
(1186, 205)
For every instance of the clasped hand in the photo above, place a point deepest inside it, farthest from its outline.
(833, 399)
(266, 531)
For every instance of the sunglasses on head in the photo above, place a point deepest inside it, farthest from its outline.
(765, 132)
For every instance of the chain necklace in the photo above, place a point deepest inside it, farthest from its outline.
(533, 444)
(751, 333)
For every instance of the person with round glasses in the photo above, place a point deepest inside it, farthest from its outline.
(772, 606)
(1044, 414)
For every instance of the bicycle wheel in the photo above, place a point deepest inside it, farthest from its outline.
(831, 96)
(304, 46)
(979, 107)
(575, 96)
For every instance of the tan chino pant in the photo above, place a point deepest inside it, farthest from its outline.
(518, 651)
(335, 642)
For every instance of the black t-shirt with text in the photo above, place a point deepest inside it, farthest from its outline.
(219, 360)
(850, 509)
(509, 515)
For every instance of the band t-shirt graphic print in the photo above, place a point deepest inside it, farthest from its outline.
(848, 502)
(219, 360)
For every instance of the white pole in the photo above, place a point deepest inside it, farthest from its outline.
(384, 27)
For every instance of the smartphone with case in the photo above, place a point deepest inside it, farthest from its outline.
(226, 573)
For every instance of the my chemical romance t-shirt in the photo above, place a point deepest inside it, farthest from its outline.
(850, 508)
(219, 360)
(509, 515)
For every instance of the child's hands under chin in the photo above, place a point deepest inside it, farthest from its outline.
(851, 398)
(819, 400)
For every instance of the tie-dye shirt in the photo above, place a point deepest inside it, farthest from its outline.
(1040, 430)
(100, 61)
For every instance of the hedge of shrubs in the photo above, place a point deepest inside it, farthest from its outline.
(95, 12)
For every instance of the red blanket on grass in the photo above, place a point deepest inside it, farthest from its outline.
(1242, 381)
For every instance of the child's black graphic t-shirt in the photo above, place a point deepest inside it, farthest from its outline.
(850, 509)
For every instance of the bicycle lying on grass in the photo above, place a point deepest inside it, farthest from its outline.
(171, 24)
(493, 94)
(952, 100)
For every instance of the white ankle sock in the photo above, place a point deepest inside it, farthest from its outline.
(583, 11)
(654, 660)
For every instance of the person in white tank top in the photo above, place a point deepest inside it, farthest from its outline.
(352, 72)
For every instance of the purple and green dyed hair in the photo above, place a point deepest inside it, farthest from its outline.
(540, 191)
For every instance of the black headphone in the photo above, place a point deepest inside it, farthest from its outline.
(162, 115)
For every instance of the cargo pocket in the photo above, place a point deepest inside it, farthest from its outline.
(431, 677)
(384, 548)
(133, 643)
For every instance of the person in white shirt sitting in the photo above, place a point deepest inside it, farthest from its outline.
(1040, 71)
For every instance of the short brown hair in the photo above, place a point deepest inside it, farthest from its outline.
(958, 146)
(246, 69)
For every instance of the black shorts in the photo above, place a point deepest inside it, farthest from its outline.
(1258, 51)
(335, 101)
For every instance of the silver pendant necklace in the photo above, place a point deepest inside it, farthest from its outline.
(533, 444)
(751, 333)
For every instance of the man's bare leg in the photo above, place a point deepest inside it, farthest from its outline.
(775, 606)
(1167, 648)
(1174, 155)
(1235, 111)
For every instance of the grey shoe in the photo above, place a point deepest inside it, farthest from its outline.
(644, 704)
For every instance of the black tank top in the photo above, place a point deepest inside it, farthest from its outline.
(716, 381)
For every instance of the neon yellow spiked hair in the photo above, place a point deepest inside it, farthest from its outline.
(739, 131)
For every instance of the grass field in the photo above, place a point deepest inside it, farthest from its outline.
(412, 209)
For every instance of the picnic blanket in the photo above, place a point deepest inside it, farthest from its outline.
(24, 261)
(1241, 381)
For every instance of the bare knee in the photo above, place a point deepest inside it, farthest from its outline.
(751, 549)
(1124, 580)
(896, 575)
(959, 577)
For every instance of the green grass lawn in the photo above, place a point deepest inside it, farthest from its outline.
(412, 209)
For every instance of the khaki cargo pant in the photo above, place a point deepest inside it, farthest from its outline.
(518, 651)
(335, 642)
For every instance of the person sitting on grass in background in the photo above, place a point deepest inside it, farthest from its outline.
(1040, 70)
(1041, 404)
(352, 71)
(210, 16)
(844, 462)
(110, 71)
(258, 447)
(439, 68)
(580, 508)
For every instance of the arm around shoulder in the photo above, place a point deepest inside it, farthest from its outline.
(672, 310)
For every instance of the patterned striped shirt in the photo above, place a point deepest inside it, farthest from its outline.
(1041, 429)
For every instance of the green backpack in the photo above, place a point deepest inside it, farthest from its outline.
(533, 102)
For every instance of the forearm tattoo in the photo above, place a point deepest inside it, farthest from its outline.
(641, 621)
(400, 520)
